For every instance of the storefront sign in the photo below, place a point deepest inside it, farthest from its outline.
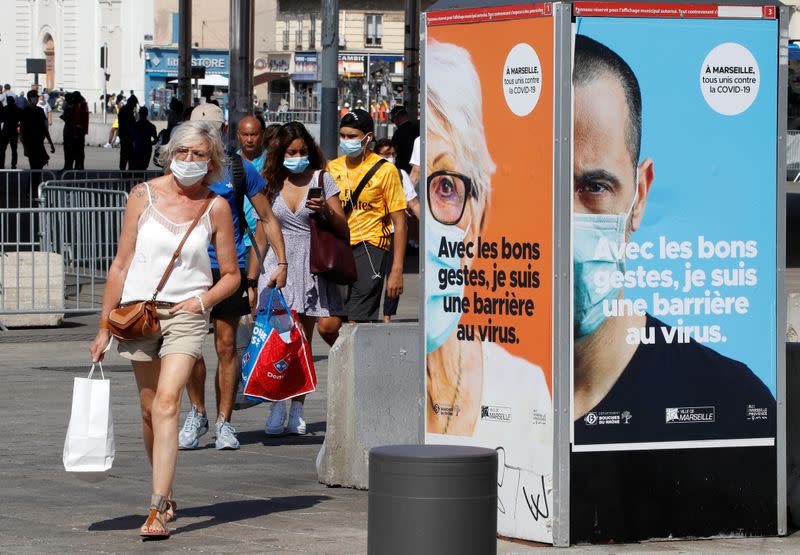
(305, 66)
(352, 65)
(164, 61)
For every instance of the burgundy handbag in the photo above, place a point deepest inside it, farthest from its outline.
(331, 256)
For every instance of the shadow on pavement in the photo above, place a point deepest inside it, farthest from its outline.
(220, 513)
(315, 436)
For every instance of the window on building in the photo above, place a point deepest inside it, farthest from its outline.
(286, 32)
(298, 33)
(176, 26)
(312, 33)
(373, 30)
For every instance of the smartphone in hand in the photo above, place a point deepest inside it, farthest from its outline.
(314, 192)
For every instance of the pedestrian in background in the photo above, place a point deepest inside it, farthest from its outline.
(414, 162)
(9, 134)
(81, 117)
(250, 136)
(380, 202)
(6, 94)
(404, 135)
(126, 118)
(227, 314)
(144, 136)
(175, 116)
(33, 132)
(162, 362)
(70, 131)
(42, 103)
(386, 150)
(292, 171)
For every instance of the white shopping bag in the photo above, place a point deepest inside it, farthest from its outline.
(89, 447)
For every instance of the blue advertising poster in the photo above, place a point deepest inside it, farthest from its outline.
(674, 233)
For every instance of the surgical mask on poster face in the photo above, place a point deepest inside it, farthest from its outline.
(588, 231)
(188, 173)
(439, 325)
(296, 164)
(351, 147)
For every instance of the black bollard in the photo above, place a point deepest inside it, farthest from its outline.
(433, 499)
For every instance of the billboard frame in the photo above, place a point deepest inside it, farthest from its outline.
(780, 245)
(562, 270)
(782, 15)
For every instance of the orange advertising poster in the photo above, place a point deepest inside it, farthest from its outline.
(489, 112)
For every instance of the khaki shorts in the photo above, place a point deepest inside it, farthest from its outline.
(182, 333)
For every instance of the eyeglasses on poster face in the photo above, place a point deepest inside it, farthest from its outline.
(448, 192)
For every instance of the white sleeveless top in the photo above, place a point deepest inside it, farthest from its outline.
(156, 242)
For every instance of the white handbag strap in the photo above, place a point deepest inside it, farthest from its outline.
(91, 372)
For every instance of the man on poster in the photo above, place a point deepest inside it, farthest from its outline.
(635, 385)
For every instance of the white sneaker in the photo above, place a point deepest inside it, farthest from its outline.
(277, 417)
(297, 426)
(107, 145)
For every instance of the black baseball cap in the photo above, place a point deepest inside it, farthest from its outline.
(358, 119)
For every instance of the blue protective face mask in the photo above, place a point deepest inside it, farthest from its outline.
(590, 231)
(296, 164)
(351, 147)
(439, 325)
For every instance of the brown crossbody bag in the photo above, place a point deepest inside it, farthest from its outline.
(134, 320)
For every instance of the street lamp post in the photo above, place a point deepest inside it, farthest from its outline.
(411, 67)
(185, 52)
(240, 80)
(329, 75)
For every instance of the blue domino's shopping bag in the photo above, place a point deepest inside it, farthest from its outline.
(277, 364)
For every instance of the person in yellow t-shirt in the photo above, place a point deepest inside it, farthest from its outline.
(380, 203)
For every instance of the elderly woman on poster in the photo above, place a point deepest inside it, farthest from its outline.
(474, 387)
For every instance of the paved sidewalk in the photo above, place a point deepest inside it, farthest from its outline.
(264, 498)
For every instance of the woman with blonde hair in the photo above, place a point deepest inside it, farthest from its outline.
(465, 376)
(158, 215)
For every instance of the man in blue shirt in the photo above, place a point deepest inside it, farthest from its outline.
(226, 314)
(251, 135)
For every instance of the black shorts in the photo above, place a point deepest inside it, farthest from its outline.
(236, 305)
(364, 297)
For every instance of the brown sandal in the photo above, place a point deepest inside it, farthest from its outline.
(158, 515)
(172, 506)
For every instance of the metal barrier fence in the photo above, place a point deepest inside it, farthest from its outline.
(135, 175)
(65, 269)
(55, 259)
(59, 194)
(80, 193)
(18, 187)
(303, 116)
(77, 185)
(86, 248)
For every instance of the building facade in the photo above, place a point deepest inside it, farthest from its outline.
(371, 41)
(68, 35)
(210, 41)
